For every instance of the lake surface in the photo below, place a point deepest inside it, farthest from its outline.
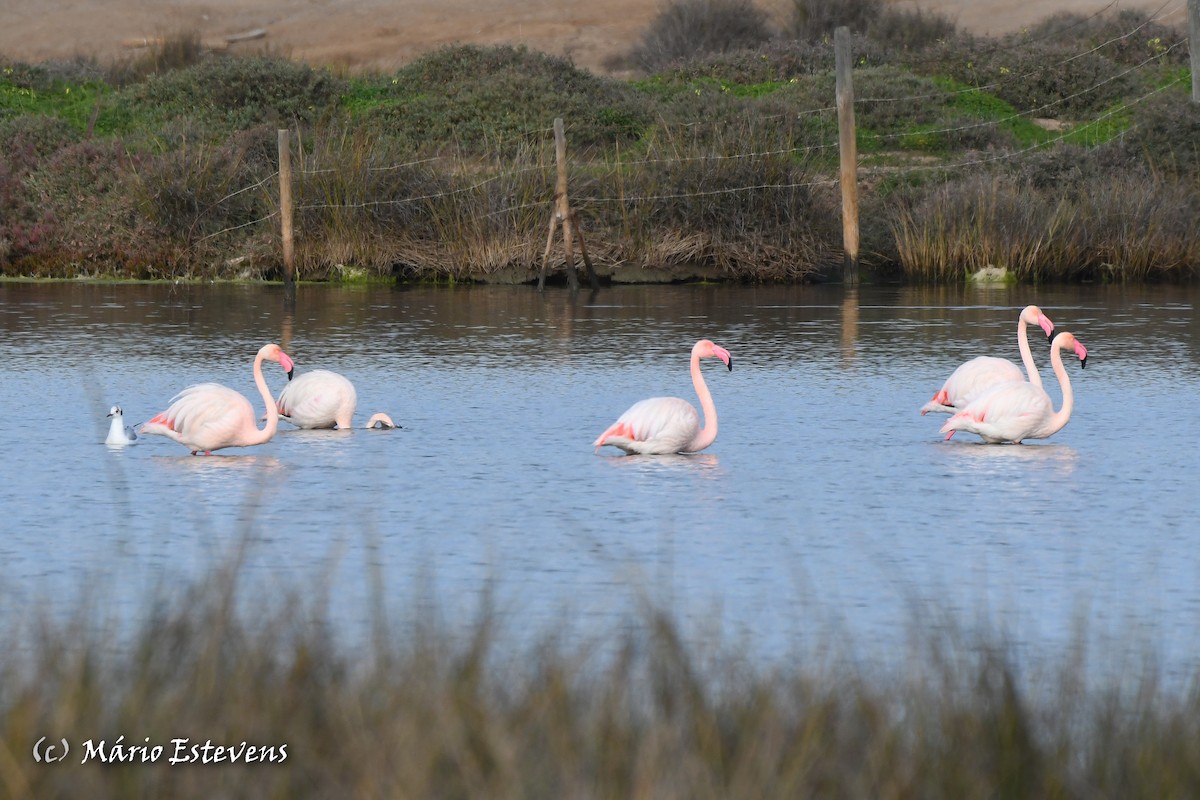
(827, 509)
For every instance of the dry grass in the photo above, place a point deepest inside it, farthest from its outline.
(420, 710)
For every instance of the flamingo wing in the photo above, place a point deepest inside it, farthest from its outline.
(207, 416)
(1009, 412)
(318, 399)
(654, 426)
(971, 380)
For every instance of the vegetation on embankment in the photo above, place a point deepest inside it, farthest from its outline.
(1066, 152)
(492, 709)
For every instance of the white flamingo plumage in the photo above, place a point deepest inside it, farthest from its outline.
(323, 399)
(663, 425)
(209, 416)
(1015, 411)
(975, 377)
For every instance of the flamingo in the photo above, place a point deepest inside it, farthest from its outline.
(981, 373)
(669, 424)
(1017, 410)
(323, 399)
(209, 416)
(118, 432)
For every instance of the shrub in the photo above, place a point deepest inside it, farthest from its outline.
(910, 30)
(776, 60)
(685, 28)
(221, 95)
(25, 143)
(1165, 136)
(1128, 37)
(817, 19)
(1044, 78)
(177, 51)
(496, 100)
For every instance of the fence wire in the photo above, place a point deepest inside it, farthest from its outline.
(531, 137)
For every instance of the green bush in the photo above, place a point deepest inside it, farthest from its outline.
(1165, 136)
(1044, 78)
(494, 100)
(222, 95)
(1128, 36)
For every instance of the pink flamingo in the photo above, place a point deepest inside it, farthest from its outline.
(670, 424)
(209, 416)
(1018, 410)
(323, 399)
(980, 374)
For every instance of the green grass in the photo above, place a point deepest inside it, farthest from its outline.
(74, 103)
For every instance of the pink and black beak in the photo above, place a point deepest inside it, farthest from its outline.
(286, 362)
(1046, 325)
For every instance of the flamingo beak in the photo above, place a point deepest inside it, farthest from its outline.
(286, 362)
(1081, 351)
(723, 354)
(1047, 326)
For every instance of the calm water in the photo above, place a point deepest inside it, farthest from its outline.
(828, 508)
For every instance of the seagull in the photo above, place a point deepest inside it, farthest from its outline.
(118, 431)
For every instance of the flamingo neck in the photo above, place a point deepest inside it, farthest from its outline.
(1031, 370)
(1057, 420)
(707, 434)
(265, 434)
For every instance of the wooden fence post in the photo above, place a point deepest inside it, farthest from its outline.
(563, 215)
(1193, 7)
(843, 61)
(285, 215)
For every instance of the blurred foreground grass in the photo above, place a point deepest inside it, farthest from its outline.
(421, 711)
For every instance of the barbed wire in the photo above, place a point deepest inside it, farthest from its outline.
(1053, 140)
(1028, 112)
(514, 172)
(1019, 76)
(232, 228)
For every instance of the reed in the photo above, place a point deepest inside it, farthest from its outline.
(423, 709)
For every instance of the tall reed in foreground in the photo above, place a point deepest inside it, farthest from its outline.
(424, 709)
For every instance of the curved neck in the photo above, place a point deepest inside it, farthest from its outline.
(1031, 369)
(268, 431)
(1058, 419)
(707, 434)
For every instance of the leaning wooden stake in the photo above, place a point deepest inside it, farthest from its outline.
(849, 153)
(587, 262)
(285, 215)
(563, 215)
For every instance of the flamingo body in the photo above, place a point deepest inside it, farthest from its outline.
(208, 416)
(118, 432)
(661, 425)
(318, 399)
(1015, 411)
(976, 377)
(654, 426)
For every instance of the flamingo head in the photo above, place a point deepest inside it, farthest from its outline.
(1034, 316)
(706, 349)
(273, 352)
(1065, 340)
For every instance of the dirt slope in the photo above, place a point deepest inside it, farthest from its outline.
(382, 34)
